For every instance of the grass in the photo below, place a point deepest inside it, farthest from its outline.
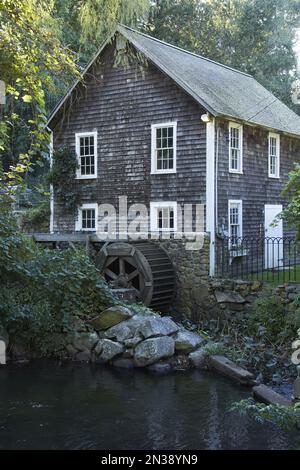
(277, 276)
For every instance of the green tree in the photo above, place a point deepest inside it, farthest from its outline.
(98, 19)
(30, 55)
(291, 214)
(255, 36)
(84, 25)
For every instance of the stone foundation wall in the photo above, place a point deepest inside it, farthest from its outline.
(199, 297)
(227, 296)
(192, 277)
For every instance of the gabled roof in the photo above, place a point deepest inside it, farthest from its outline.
(221, 90)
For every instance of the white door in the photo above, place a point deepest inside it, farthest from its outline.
(273, 234)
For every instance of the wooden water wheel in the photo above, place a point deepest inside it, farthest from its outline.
(142, 266)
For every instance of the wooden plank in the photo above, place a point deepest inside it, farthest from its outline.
(59, 237)
(228, 368)
(66, 237)
(270, 397)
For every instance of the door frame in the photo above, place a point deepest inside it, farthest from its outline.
(276, 259)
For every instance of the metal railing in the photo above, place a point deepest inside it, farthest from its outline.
(258, 258)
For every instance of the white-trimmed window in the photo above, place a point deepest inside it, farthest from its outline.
(163, 147)
(235, 221)
(86, 151)
(87, 219)
(274, 155)
(235, 147)
(163, 216)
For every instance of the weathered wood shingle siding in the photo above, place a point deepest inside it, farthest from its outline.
(253, 187)
(121, 105)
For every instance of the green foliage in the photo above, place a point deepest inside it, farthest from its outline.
(31, 322)
(141, 309)
(287, 418)
(63, 177)
(66, 14)
(291, 213)
(260, 340)
(273, 320)
(30, 54)
(215, 349)
(98, 18)
(36, 218)
(43, 291)
(33, 205)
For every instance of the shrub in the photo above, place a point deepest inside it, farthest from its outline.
(268, 318)
(287, 418)
(43, 291)
(37, 218)
(260, 340)
(273, 320)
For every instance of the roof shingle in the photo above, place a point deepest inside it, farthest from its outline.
(220, 89)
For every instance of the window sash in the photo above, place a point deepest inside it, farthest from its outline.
(235, 223)
(88, 219)
(163, 216)
(86, 149)
(87, 155)
(274, 149)
(235, 148)
(163, 147)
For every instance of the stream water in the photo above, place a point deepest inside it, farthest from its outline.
(44, 405)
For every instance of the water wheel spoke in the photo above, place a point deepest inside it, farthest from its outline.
(143, 267)
(110, 274)
(111, 260)
(133, 275)
(138, 293)
(121, 266)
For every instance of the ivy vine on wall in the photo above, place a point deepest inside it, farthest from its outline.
(63, 178)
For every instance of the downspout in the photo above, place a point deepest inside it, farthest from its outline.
(216, 175)
(51, 185)
(210, 192)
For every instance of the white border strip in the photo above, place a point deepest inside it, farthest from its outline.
(210, 192)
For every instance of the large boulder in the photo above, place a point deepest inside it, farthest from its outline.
(106, 350)
(229, 297)
(153, 349)
(85, 341)
(198, 358)
(157, 326)
(119, 332)
(187, 341)
(127, 331)
(110, 317)
(135, 324)
(133, 342)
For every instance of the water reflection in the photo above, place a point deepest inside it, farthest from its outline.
(48, 406)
